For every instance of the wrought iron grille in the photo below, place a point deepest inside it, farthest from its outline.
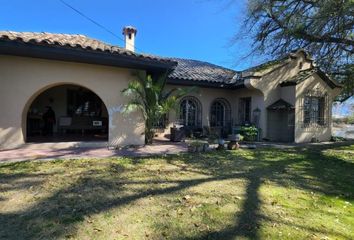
(190, 112)
(244, 110)
(220, 113)
(314, 109)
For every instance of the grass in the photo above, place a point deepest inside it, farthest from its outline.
(298, 193)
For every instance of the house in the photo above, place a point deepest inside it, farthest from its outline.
(81, 79)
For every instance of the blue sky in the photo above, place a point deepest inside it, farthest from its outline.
(344, 109)
(196, 29)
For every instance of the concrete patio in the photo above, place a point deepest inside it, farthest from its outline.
(161, 146)
(76, 150)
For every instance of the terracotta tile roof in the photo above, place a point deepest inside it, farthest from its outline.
(186, 69)
(71, 41)
(195, 70)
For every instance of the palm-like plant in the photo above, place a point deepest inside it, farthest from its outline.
(148, 95)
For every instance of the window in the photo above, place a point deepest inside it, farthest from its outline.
(190, 112)
(245, 110)
(82, 102)
(219, 113)
(314, 110)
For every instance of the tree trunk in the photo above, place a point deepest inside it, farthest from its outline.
(149, 133)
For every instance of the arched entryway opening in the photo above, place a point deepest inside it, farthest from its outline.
(65, 113)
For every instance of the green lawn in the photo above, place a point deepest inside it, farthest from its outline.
(298, 193)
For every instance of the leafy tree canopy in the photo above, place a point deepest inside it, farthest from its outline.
(325, 28)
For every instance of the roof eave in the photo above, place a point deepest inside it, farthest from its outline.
(331, 82)
(203, 83)
(17, 48)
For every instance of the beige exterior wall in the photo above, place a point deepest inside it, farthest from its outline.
(206, 96)
(23, 79)
(269, 85)
(317, 132)
(288, 94)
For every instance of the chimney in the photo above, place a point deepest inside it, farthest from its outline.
(129, 33)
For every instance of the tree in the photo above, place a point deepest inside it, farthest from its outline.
(148, 95)
(325, 28)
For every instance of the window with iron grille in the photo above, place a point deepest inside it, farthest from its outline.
(314, 108)
(244, 110)
(190, 112)
(219, 113)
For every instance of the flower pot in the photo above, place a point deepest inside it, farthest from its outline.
(233, 145)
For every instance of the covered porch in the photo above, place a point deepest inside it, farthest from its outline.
(67, 113)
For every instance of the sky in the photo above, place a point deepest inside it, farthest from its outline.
(195, 29)
(343, 109)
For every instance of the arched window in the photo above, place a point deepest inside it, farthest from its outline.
(190, 112)
(220, 113)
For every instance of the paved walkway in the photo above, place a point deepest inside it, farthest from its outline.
(47, 151)
(77, 150)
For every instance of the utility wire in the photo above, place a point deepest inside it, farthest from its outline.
(94, 22)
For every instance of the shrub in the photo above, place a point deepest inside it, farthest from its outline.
(351, 119)
(249, 133)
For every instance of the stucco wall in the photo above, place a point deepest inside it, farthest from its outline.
(23, 79)
(206, 96)
(318, 132)
(269, 85)
(288, 94)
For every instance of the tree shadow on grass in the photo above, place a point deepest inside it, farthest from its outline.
(332, 177)
(96, 191)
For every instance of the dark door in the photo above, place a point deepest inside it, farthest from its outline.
(281, 125)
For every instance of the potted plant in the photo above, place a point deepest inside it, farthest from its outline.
(221, 143)
(233, 144)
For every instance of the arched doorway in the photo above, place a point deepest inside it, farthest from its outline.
(65, 113)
